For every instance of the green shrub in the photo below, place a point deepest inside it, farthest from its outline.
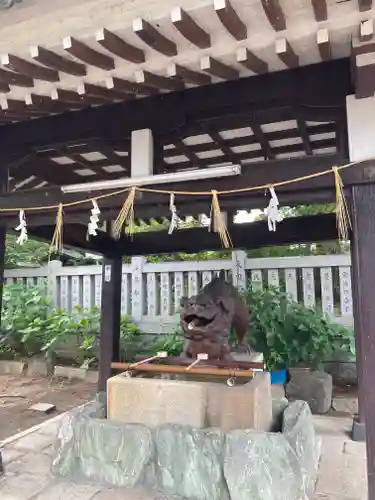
(289, 334)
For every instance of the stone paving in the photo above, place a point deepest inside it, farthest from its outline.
(27, 458)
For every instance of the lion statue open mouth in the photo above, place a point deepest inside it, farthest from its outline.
(203, 317)
(206, 320)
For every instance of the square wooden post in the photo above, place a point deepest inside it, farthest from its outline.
(4, 179)
(363, 241)
(109, 348)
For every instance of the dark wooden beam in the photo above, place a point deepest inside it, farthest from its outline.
(109, 347)
(364, 5)
(230, 19)
(320, 10)
(187, 75)
(151, 37)
(98, 92)
(157, 81)
(218, 69)
(118, 47)
(88, 55)
(286, 53)
(364, 273)
(324, 84)
(128, 87)
(57, 62)
(250, 61)
(10, 78)
(247, 140)
(253, 235)
(275, 14)
(190, 29)
(29, 69)
(260, 136)
(308, 229)
(302, 128)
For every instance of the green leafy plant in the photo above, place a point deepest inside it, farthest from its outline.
(172, 343)
(289, 334)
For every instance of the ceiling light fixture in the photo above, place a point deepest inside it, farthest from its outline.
(184, 176)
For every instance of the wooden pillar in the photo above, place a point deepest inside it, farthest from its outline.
(109, 349)
(364, 274)
(4, 180)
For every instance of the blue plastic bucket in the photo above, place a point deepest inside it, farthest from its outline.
(278, 377)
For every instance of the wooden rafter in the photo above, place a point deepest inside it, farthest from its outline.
(320, 9)
(29, 69)
(275, 14)
(364, 5)
(324, 87)
(98, 92)
(128, 87)
(250, 61)
(118, 47)
(57, 62)
(190, 29)
(230, 19)
(187, 75)
(302, 128)
(151, 37)
(157, 81)
(10, 78)
(327, 128)
(88, 55)
(218, 69)
(286, 53)
(261, 138)
(80, 162)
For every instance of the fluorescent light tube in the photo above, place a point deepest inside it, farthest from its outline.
(186, 175)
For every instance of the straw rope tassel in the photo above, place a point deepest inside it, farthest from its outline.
(57, 238)
(217, 222)
(126, 216)
(342, 212)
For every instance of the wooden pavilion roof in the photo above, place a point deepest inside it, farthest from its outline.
(225, 83)
(119, 55)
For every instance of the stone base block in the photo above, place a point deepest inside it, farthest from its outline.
(247, 406)
(154, 402)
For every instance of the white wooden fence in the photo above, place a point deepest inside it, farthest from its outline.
(151, 292)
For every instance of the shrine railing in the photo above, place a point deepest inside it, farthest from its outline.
(151, 292)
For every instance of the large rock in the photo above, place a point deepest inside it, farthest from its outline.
(278, 407)
(105, 451)
(116, 454)
(298, 429)
(314, 387)
(261, 466)
(189, 462)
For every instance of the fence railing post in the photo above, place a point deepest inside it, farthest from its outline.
(138, 288)
(53, 269)
(239, 269)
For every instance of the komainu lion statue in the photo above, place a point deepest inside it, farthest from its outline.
(207, 318)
